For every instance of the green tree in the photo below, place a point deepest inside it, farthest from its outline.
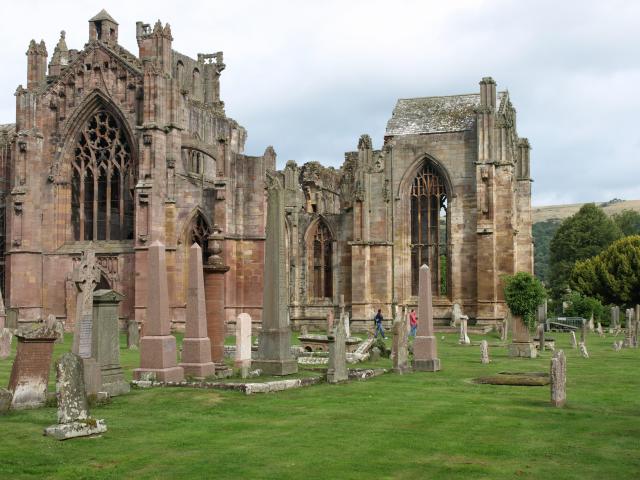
(628, 221)
(543, 232)
(582, 306)
(613, 276)
(580, 236)
(523, 293)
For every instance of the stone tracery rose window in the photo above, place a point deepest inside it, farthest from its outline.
(429, 220)
(102, 181)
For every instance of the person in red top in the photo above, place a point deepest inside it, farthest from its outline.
(413, 323)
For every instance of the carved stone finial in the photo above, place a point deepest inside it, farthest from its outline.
(365, 142)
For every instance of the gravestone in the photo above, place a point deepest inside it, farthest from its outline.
(6, 336)
(583, 331)
(425, 348)
(86, 276)
(615, 319)
(133, 334)
(5, 400)
(158, 353)
(558, 376)
(617, 346)
(591, 324)
(196, 346)
(347, 325)
(599, 330)
(73, 409)
(521, 344)
(456, 313)
(464, 337)
(541, 313)
(243, 342)
(484, 352)
(505, 326)
(3, 313)
(30, 370)
(400, 345)
(574, 342)
(274, 351)
(541, 336)
(304, 330)
(583, 350)
(330, 321)
(337, 369)
(636, 327)
(58, 327)
(106, 342)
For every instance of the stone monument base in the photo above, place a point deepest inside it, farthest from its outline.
(523, 350)
(113, 382)
(158, 355)
(276, 367)
(406, 369)
(199, 370)
(85, 428)
(427, 365)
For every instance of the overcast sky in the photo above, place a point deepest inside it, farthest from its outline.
(310, 77)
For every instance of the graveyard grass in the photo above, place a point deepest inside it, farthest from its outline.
(419, 425)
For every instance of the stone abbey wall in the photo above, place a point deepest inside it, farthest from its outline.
(113, 150)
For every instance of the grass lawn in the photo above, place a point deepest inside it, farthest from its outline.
(420, 425)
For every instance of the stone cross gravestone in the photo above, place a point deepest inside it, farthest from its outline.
(400, 345)
(243, 341)
(158, 353)
(106, 342)
(425, 347)
(337, 370)
(86, 276)
(274, 350)
(196, 346)
(484, 352)
(558, 377)
(73, 409)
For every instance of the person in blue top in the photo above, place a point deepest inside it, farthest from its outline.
(378, 319)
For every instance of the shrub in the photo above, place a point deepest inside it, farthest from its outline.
(582, 306)
(523, 293)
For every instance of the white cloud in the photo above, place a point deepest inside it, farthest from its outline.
(310, 77)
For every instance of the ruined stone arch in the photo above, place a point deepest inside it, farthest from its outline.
(95, 174)
(321, 254)
(197, 229)
(426, 196)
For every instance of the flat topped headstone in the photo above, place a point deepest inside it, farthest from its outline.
(243, 341)
(73, 409)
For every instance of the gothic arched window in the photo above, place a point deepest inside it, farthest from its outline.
(199, 233)
(429, 242)
(102, 181)
(321, 253)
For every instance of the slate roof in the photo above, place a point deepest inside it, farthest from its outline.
(453, 113)
(103, 15)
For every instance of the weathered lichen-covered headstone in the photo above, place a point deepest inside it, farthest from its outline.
(243, 341)
(274, 352)
(196, 346)
(425, 347)
(558, 376)
(58, 327)
(5, 400)
(583, 350)
(133, 334)
(337, 371)
(541, 342)
(617, 345)
(73, 408)
(615, 318)
(484, 352)
(5, 343)
(30, 370)
(106, 343)
(464, 337)
(400, 346)
(574, 342)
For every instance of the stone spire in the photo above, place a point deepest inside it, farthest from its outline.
(60, 57)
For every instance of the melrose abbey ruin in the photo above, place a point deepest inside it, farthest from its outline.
(111, 151)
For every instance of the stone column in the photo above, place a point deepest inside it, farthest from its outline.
(214, 272)
(425, 348)
(196, 347)
(106, 341)
(558, 376)
(158, 347)
(30, 371)
(274, 351)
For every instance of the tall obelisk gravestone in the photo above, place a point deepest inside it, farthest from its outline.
(274, 352)
(425, 348)
(158, 347)
(196, 346)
